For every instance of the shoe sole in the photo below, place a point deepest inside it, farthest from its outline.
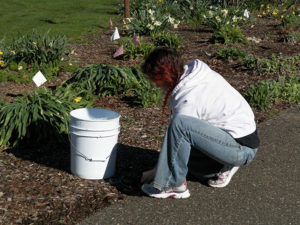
(233, 171)
(184, 194)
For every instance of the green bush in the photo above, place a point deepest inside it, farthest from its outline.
(231, 53)
(106, 80)
(39, 116)
(34, 52)
(263, 95)
(167, 39)
(272, 64)
(229, 34)
(133, 51)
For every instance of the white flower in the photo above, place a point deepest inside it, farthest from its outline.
(157, 23)
(210, 13)
(234, 19)
(13, 52)
(191, 8)
(62, 59)
(175, 25)
(20, 68)
(150, 11)
(224, 11)
(171, 20)
(152, 17)
(150, 26)
(218, 19)
(50, 44)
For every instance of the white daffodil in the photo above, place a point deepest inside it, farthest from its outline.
(210, 13)
(150, 26)
(157, 23)
(171, 20)
(151, 12)
(224, 11)
(20, 68)
(218, 19)
(152, 17)
(191, 7)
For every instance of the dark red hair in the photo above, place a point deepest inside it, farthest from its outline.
(164, 65)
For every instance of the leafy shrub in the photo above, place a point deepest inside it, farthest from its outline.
(167, 39)
(106, 80)
(133, 51)
(35, 51)
(152, 16)
(229, 34)
(263, 95)
(38, 116)
(231, 53)
(272, 64)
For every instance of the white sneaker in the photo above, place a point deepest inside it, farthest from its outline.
(223, 177)
(176, 192)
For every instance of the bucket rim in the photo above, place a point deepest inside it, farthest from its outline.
(116, 117)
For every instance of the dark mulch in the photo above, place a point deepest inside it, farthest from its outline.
(37, 186)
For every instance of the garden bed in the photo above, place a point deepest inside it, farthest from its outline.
(36, 184)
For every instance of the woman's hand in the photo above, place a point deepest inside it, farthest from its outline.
(148, 176)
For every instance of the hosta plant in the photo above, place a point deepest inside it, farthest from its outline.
(38, 117)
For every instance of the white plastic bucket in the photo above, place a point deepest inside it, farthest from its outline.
(93, 139)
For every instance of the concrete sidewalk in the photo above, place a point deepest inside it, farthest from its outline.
(267, 191)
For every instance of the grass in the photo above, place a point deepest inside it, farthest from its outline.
(73, 18)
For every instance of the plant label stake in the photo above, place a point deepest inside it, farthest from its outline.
(115, 35)
(39, 79)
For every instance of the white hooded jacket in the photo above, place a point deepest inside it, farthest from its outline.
(206, 95)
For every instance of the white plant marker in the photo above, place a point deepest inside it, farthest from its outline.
(115, 35)
(246, 13)
(39, 79)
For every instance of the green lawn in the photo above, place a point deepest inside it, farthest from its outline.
(73, 18)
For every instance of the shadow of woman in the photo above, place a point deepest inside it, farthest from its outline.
(132, 161)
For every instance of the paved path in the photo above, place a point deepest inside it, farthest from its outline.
(265, 192)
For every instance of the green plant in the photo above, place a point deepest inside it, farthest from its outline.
(167, 39)
(231, 53)
(133, 51)
(229, 34)
(105, 80)
(38, 116)
(272, 64)
(152, 16)
(264, 94)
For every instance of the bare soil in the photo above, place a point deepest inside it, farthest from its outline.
(37, 186)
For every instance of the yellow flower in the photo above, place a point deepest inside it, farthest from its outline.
(234, 19)
(293, 13)
(77, 99)
(264, 13)
(259, 15)
(268, 6)
(275, 12)
(1, 53)
(159, 1)
(282, 16)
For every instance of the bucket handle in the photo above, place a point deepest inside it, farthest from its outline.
(85, 157)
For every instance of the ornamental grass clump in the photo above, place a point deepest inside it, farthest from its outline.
(40, 117)
(167, 39)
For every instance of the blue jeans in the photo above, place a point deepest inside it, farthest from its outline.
(184, 132)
